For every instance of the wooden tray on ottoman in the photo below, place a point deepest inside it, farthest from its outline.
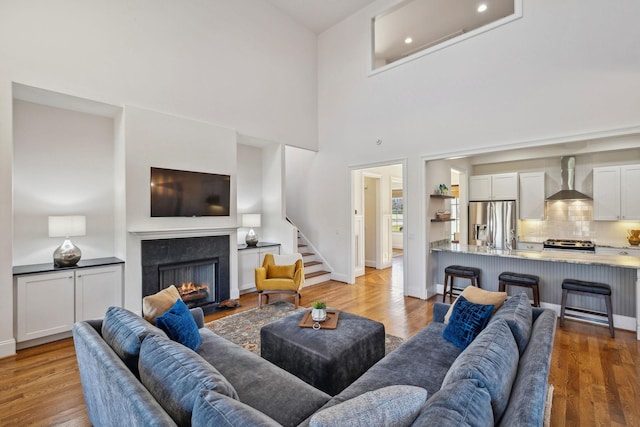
(331, 321)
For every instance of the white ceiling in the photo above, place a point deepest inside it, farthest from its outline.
(319, 15)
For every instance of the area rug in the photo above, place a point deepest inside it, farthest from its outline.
(547, 406)
(244, 328)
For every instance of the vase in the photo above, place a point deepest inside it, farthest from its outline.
(318, 314)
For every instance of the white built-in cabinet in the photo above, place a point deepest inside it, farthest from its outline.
(501, 186)
(615, 193)
(97, 289)
(48, 303)
(45, 304)
(532, 194)
(250, 258)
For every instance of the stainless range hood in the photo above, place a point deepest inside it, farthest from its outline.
(567, 188)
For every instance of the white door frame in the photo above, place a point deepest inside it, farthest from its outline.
(353, 223)
(377, 261)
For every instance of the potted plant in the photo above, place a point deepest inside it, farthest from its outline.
(319, 311)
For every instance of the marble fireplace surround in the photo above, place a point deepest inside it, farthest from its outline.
(177, 250)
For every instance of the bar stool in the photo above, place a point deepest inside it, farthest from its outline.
(573, 285)
(461, 272)
(508, 278)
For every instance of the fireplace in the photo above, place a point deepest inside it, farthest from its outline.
(194, 280)
(197, 266)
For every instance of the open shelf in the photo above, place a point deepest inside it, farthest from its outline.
(442, 220)
(441, 196)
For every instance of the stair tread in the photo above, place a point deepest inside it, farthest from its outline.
(307, 253)
(311, 263)
(316, 273)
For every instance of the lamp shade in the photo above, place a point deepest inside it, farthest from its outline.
(67, 226)
(251, 220)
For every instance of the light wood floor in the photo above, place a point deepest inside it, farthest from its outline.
(596, 378)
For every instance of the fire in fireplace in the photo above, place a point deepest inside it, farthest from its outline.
(192, 291)
(194, 280)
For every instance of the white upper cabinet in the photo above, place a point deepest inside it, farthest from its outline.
(629, 193)
(480, 187)
(614, 196)
(532, 193)
(502, 186)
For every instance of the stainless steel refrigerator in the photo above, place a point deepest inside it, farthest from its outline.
(493, 224)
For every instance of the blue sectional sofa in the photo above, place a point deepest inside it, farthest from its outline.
(133, 375)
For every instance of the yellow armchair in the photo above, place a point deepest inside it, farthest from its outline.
(280, 278)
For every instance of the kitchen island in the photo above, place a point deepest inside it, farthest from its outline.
(622, 272)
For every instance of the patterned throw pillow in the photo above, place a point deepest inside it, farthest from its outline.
(479, 296)
(466, 322)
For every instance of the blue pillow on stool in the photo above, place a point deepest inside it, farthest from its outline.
(466, 322)
(179, 325)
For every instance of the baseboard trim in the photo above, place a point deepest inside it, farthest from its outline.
(340, 277)
(7, 348)
(43, 340)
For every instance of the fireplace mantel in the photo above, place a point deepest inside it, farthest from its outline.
(171, 233)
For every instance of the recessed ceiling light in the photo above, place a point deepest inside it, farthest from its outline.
(408, 40)
(482, 7)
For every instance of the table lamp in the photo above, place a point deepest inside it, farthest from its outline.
(250, 221)
(67, 253)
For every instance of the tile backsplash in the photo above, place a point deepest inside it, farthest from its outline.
(574, 220)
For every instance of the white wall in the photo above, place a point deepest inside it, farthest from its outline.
(249, 186)
(62, 165)
(565, 68)
(275, 226)
(298, 163)
(242, 65)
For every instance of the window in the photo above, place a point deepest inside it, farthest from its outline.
(397, 211)
(455, 213)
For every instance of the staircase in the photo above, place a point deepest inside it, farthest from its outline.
(314, 269)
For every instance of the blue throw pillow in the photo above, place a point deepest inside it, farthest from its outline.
(179, 325)
(466, 322)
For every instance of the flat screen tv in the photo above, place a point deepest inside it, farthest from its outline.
(177, 193)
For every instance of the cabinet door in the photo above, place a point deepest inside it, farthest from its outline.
(97, 289)
(606, 193)
(504, 186)
(629, 200)
(480, 187)
(248, 260)
(531, 195)
(45, 305)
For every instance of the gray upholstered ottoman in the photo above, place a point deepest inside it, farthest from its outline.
(328, 359)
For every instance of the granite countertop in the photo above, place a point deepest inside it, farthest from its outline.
(616, 245)
(552, 256)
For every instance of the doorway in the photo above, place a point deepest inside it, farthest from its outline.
(378, 226)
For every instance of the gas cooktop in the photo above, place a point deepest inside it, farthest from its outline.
(568, 244)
